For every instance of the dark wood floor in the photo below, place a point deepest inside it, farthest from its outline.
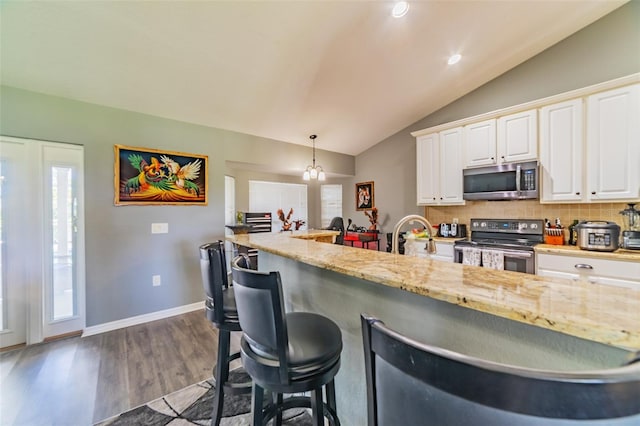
(79, 381)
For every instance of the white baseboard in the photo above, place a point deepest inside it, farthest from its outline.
(141, 319)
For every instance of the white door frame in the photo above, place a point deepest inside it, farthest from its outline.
(63, 155)
(35, 250)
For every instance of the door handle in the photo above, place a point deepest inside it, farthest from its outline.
(583, 266)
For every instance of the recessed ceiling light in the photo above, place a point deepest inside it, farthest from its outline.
(400, 9)
(454, 59)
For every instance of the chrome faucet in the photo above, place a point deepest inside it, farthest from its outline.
(431, 246)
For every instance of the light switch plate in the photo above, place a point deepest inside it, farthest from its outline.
(159, 228)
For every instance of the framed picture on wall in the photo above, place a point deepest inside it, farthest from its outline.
(145, 176)
(364, 196)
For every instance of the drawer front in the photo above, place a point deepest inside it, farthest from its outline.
(590, 266)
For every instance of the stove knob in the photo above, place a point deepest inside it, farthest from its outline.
(523, 226)
(483, 224)
(534, 226)
(474, 224)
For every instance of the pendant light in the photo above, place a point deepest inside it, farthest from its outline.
(313, 171)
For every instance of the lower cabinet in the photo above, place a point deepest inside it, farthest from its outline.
(588, 269)
(418, 248)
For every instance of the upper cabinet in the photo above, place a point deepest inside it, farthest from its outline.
(602, 165)
(451, 166)
(587, 143)
(439, 168)
(480, 143)
(508, 139)
(518, 137)
(561, 158)
(428, 168)
(613, 144)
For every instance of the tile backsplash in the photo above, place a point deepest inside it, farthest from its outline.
(526, 209)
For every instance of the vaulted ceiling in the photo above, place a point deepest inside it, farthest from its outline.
(346, 70)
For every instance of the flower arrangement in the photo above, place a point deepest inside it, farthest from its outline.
(286, 221)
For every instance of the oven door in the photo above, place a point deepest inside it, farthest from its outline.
(514, 260)
(519, 261)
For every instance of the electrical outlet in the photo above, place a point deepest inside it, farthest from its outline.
(155, 280)
(159, 228)
(455, 220)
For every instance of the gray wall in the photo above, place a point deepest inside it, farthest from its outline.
(121, 253)
(607, 49)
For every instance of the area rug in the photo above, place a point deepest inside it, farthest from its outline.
(192, 406)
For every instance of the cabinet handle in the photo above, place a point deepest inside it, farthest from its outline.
(502, 157)
(577, 193)
(593, 192)
(583, 266)
(492, 158)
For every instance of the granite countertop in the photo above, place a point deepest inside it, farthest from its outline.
(620, 254)
(605, 314)
(313, 234)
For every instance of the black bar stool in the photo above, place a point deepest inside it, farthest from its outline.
(284, 353)
(220, 309)
(410, 383)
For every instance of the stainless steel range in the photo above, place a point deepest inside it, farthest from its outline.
(501, 244)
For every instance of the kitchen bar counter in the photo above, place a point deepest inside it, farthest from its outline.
(505, 317)
(605, 314)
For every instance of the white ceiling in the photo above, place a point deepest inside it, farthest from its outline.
(345, 70)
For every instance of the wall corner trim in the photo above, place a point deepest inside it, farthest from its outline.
(141, 319)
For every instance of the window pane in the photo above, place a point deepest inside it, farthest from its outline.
(62, 226)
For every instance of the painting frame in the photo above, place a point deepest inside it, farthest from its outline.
(147, 176)
(365, 197)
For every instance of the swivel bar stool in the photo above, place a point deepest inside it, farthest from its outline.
(220, 309)
(284, 353)
(410, 383)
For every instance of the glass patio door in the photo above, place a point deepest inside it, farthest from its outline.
(42, 240)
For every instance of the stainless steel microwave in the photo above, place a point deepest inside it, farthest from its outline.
(515, 181)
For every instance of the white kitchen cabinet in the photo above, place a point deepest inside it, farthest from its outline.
(517, 137)
(561, 154)
(451, 166)
(613, 144)
(418, 248)
(480, 143)
(439, 168)
(508, 139)
(589, 269)
(609, 170)
(428, 168)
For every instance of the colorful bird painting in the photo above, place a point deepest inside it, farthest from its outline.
(162, 178)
